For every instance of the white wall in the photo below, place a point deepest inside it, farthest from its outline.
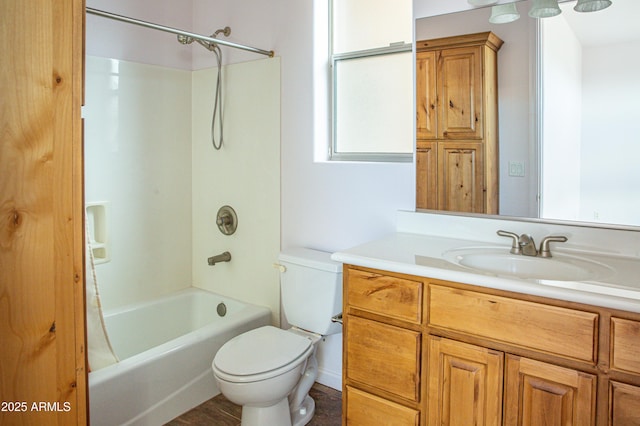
(607, 180)
(562, 115)
(137, 148)
(113, 39)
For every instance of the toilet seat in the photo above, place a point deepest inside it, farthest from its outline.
(260, 354)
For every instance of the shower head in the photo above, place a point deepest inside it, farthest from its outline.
(183, 39)
(226, 31)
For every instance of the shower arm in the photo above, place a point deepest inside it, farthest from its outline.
(269, 53)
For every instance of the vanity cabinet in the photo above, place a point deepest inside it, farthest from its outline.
(420, 351)
(457, 123)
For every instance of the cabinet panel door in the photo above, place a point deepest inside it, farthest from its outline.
(464, 384)
(461, 177)
(383, 356)
(460, 93)
(426, 175)
(624, 404)
(625, 335)
(538, 393)
(364, 409)
(426, 100)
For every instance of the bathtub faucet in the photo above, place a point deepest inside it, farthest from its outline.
(224, 257)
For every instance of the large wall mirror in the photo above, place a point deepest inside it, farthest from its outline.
(568, 103)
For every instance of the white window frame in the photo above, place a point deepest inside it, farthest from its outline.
(334, 154)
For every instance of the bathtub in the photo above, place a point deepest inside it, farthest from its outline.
(165, 347)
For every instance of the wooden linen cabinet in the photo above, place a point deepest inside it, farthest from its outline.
(457, 123)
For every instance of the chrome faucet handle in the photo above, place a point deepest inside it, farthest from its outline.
(544, 245)
(515, 246)
(528, 245)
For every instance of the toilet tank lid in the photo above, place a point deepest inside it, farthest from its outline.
(310, 258)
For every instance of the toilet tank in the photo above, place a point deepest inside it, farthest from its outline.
(311, 287)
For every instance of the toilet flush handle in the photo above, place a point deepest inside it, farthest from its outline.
(337, 318)
(280, 267)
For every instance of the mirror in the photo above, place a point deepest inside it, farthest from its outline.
(576, 97)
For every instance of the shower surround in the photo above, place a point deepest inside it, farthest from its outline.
(149, 154)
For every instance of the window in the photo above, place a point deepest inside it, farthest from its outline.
(372, 80)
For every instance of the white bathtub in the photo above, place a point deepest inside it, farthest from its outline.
(166, 347)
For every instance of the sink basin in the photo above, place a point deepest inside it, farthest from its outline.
(560, 267)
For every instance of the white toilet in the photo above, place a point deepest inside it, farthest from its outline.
(269, 371)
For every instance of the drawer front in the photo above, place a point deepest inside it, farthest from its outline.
(383, 356)
(625, 345)
(364, 409)
(384, 295)
(551, 329)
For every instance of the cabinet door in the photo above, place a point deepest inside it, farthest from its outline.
(427, 175)
(426, 100)
(460, 93)
(624, 404)
(464, 384)
(538, 393)
(461, 177)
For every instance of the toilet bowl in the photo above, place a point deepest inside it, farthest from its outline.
(269, 371)
(260, 370)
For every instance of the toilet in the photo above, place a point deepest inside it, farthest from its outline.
(268, 370)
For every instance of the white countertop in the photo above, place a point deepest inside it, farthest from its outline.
(422, 255)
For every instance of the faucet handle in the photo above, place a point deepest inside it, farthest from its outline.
(515, 246)
(544, 245)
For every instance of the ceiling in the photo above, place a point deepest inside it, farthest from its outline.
(611, 25)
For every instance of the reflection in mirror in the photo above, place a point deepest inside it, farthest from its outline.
(586, 170)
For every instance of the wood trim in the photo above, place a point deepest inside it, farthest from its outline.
(484, 38)
(41, 200)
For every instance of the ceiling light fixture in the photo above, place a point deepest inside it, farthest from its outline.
(591, 5)
(504, 13)
(544, 9)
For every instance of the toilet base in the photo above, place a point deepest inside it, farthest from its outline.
(303, 415)
(277, 414)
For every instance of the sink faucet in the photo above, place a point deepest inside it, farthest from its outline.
(525, 245)
(528, 245)
(224, 257)
(544, 245)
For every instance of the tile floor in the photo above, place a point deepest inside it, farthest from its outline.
(219, 411)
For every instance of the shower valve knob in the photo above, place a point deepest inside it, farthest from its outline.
(227, 220)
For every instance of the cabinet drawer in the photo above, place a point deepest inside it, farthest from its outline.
(383, 356)
(363, 409)
(625, 345)
(551, 329)
(384, 295)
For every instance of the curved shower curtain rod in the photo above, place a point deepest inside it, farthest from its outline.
(109, 15)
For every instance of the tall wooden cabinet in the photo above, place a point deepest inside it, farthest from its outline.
(457, 123)
(42, 330)
(420, 351)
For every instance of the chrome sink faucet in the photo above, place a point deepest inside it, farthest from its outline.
(525, 245)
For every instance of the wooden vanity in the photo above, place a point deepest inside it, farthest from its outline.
(421, 351)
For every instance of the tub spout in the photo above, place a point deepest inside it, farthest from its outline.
(224, 257)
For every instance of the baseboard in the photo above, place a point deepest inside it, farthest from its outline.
(330, 378)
